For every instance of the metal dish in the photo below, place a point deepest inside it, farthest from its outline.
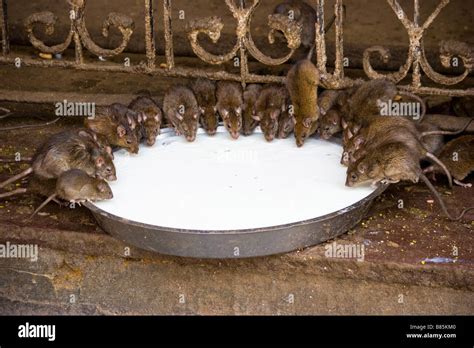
(234, 243)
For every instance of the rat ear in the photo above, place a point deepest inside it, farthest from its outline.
(109, 151)
(179, 116)
(196, 115)
(257, 117)
(275, 114)
(157, 117)
(225, 113)
(239, 110)
(101, 187)
(215, 108)
(99, 161)
(358, 140)
(131, 122)
(307, 122)
(201, 109)
(334, 121)
(362, 167)
(121, 131)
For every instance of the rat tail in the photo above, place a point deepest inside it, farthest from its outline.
(31, 125)
(17, 177)
(418, 99)
(6, 113)
(49, 199)
(441, 202)
(442, 165)
(439, 132)
(13, 193)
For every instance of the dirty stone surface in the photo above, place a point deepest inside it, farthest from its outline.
(416, 261)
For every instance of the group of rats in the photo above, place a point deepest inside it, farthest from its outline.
(75, 165)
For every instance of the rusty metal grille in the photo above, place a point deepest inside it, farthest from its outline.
(243, 11)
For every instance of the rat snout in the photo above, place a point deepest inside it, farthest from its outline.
(151, 141)
(299, 142)
(235, 135)
(211, 132)
(349, 183)
(269, 137)
(191, 138)
(111, 177)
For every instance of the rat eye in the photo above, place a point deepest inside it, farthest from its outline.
(354, 176)
(129, 142)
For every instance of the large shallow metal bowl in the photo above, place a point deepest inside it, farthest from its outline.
(234, 243)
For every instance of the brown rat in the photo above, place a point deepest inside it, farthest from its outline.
(182, 111)
(330, 123)
(286, 123)
(118, 133)
(250, 96)
(229, 104)
(205, 92)
(149, 118)
(458, 155)
(327, 100)
(385, 130)
(72, 149)
(368, 98)
(304, 14)
(391, 163)
(269, 106)
(75, 186)
(302, 83)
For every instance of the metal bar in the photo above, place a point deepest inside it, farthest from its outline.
(5, 36)
(168, 34)
(244, 69)
(416, 82)
(320, 41)
(150, 34)
(339, 64)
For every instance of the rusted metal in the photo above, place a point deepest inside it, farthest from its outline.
(4, 27)
(245, 46)
(150, 34)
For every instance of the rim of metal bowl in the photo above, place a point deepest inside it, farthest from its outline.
(166, 131)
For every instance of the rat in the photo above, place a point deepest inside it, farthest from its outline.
(149, 118)
(368, 97)
(76, 186)
(118, 133)
(302, 83)
(391, 129)
(269, 106)
(330, 124)
(458, 155)
(72, 149)
(182, 111)
(250, 96)
(391, 163)
(306, 16)
(286, 123)
(229, 105)
(205, 92)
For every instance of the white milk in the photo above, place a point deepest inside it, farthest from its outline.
(217, 183)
